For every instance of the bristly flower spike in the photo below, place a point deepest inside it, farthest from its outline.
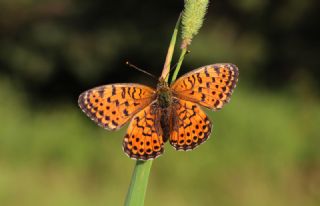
(192, 19)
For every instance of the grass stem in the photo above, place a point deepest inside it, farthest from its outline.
(181, 58)
(139, 183)
(166, 67)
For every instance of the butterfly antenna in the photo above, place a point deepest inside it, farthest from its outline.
(141, 70)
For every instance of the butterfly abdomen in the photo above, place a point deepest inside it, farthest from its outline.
(165, 123)
(164, 101)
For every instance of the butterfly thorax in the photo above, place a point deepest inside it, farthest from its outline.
(164, 95)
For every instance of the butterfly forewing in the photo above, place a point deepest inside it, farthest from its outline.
(210, 86)
(111, 106)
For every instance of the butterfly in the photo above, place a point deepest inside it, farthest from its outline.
(169, 112)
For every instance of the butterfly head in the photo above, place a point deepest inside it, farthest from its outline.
(162, 85)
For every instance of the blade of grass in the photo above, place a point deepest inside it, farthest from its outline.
(181, 58)
(166, 67)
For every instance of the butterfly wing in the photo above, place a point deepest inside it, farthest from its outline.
(210, 86)
(191, 126)
(111, 106)
(144, 138)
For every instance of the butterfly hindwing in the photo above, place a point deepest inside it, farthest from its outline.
(144, 138)
(111, 106)
(191, 127)
(210, 86)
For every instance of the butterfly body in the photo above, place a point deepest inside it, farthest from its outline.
(166, 113)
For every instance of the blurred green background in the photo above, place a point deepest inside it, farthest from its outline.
(264, 148)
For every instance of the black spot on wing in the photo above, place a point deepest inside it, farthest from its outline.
(203, 97)
(113, 90)
(199, 78)
(206, 72)
(114, 123)
(123, 92)
(125, 112)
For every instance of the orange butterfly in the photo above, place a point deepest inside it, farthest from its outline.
(167, 113)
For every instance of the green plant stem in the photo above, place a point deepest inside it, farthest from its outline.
(181, 58)
(139, 183)
(166, 67)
